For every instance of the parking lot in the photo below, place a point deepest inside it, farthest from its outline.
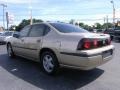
(22, 74)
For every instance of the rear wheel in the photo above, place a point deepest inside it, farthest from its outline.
(10, 51)
(49, 62)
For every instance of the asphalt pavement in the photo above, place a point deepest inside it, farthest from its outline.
(23, 74)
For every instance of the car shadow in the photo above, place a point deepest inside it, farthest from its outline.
(30, 72)
(116, 41)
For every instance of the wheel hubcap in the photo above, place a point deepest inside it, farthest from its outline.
(48, 63)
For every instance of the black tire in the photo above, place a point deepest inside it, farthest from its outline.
(46, 65)
(10, 51)
(119, 39)
(111, 37)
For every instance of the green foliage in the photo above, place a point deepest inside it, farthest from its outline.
(81, 25)
(12, 27)
(98, 26)
(107, 25)
(26, 22)
(72, 21)
(95, 26)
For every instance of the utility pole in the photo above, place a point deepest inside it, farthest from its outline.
(113, 14)
(30, 8)
(7, 19)
(3, 5)
(107, 22)
(104, 20)
(31, 21)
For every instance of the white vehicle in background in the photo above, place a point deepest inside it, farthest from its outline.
(1, 33)
(4, 35)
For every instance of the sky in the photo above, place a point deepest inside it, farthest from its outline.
(86, 11)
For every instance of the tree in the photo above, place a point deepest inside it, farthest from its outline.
(72, 21)
(12, 27)
(76, 24)
(98, 26)
(107, 25)
(86, 27)
(26, 22)
(37, 20)
(81, 25)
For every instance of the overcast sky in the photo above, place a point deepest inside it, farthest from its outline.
(87, 11)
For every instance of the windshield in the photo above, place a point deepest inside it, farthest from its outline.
(68, 28)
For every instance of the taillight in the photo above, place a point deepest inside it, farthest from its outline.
(95, 43)
(109, 41)
(87, 44)
(105, 33)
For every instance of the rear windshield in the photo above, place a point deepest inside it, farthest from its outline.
(68, 28)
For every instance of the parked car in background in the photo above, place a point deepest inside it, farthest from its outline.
(5, 35)
(110, 32)
(61, 44)
(117, 34)
(1, 33)
(99, 31)
(96, 30)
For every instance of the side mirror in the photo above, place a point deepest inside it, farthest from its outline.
(16, 35)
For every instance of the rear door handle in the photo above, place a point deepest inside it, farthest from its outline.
(22, 40)
(38, 41)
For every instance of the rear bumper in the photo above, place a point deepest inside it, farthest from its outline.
(88, 61)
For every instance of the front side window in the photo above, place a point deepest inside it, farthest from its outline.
(24, 32)
(37, 30)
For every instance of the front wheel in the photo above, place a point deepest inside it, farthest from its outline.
(49, 62)
(10, 51)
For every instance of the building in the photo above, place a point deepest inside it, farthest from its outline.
(1, 29)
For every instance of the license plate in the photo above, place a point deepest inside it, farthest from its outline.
(107, 53)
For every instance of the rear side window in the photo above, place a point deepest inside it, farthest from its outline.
(24, 32)
(47, 30)
(37, 30)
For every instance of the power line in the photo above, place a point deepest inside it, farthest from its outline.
(75, 19)
(55, 14)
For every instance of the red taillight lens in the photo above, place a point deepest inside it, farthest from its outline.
(87, 44)
(92, 43)
(84, 44)
(109, 41)
(95, 43)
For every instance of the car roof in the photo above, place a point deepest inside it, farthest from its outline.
(48, 23)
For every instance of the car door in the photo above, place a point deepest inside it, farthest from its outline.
(18, 43)
(34, 41)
